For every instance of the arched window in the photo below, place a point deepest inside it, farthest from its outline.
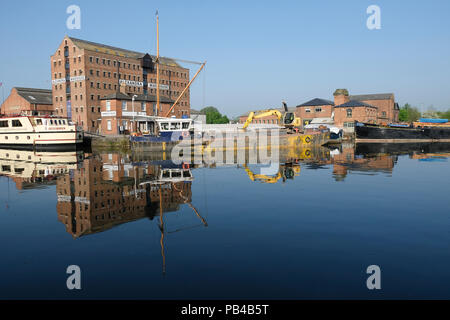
(349, 113)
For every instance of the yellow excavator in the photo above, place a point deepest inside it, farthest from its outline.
(287, 119)
(286, 171)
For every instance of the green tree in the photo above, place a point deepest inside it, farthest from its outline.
(408, 113)
(213, 116)
(444, 114)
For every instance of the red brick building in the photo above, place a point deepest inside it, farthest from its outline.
(120, 112)
(29, 101)
(84, 72)
(315, 108)
(388, 109)
(347, 111)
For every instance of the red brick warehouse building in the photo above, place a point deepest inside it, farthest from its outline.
(121, 111)
(84, 72)
(28, 101)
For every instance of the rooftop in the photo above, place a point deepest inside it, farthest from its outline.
(355, 103)
(36, 96)
(316, 102)
(98, 47)
(377, 96)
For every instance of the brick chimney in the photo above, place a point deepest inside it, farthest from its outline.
(340, 96)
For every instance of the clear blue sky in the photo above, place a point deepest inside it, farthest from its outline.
(258, 52)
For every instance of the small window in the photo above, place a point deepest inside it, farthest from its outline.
(319, 109)
(307, 110)
(108, 105)
(109, 125)
(4, 124)
(39, 121)
(349, 113)
(175, 126)
(16, 123)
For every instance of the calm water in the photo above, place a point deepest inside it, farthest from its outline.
(141, 227)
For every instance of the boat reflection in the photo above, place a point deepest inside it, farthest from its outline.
(96, 192)
(30, 169)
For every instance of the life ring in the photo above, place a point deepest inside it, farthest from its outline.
(307, 153)
(307, 139)
(185, 165)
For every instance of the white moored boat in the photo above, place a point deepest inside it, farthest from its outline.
(39, 133)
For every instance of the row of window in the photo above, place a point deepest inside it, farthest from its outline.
(318, 109)
(114, 63)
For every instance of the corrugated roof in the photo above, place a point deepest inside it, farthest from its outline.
(103, 48)
(376, 96)
(36, 96)
(355, 103)
(316, 102)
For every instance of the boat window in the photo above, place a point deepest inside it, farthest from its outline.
(60, 121)
(16, 123)
(4, 124)
(175, 125)
(39, 121)
(63, 121)
(185, 125)
(51, 121)
(166, 174)
(164, 126)
(187, 173)
(176, 174)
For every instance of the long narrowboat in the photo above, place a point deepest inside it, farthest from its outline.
(39, 133)
(420, 131)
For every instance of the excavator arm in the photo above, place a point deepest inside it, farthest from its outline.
(261, 114)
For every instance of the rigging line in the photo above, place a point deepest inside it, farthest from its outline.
(204, 191)
(189, 204)
(204, 86)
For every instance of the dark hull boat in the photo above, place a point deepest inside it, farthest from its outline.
(385, 134)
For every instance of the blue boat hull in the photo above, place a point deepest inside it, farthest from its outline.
(163, 137)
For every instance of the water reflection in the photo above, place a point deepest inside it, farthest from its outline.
(96, 192)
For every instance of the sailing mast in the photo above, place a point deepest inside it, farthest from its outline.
(157, 62)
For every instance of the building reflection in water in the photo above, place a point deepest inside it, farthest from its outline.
(97, 192)
(109, 190)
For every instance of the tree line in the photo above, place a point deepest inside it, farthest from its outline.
(409, 113)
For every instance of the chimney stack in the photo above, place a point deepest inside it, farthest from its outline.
(340, 96)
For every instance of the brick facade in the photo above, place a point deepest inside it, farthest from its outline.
(28, 101)
(84, 72)
(346, 115)
(117, 112)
